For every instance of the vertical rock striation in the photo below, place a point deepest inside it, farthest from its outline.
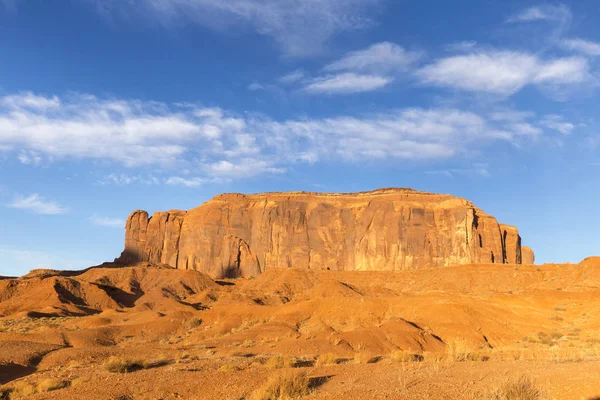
(235, 235)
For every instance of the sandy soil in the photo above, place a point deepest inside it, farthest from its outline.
(462, 332)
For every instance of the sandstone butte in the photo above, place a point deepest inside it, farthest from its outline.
(236, 235)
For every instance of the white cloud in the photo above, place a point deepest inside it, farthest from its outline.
(543, 13)
(525, 129)
(124, 179)
(31, 101)
(130, 132)
(582, 46)
(558, 123)
(477, 169)
(38, 205)
(511, 115)
(108, 222)
(300, 28)
(345, 83)
(29, 158)
(563, 71)
(187, 182)
(461, 47)
(245, 167)
(214, 144)
(379, 58)
(503, 72)
(253, 87)
(292, 77)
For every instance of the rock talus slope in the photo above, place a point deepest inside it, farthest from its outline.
(236, 235)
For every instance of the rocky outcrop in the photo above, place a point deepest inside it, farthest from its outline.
(528, 257)
(153, 239)
(236, 235)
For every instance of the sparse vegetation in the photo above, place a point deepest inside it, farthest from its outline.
(123, 365)
(461, 350)
(229, 368)
(280, 361)
(48, 385)
(405, 356)
(193, 323)
(327, 359)
(291, 385)
(521, 389)
(23, 388)
(365, 358)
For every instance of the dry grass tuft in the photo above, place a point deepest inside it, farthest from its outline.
(405, 356)
(122, 365)
(327, 359)
(461, 350)
(522, 389)
(193, 323)
(23, 389)
(48, 385)
(229, 368)
(291, 385)
(280, 361)
(365, 358)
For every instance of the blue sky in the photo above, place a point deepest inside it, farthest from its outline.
(109, 106)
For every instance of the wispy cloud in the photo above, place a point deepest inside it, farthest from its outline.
(503, 72)
(29, 157)
(37, 204)
(254, 87)
(292, 77)
(108, 222)
(384, 57)
(558, 123)
(345, 83)
(477, 169)
(460, 47)
(187, 182)
(300, 28)
(204, 144)
(124, 179)
(582, 46)
(542, 13)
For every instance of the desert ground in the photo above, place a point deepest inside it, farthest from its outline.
(143, 331)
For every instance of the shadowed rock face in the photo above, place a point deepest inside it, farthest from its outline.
(236, 235)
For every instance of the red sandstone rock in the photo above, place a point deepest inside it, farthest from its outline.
(236, 235)
(528, 257)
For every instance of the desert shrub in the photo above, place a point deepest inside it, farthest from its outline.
(79, 381)
(122, 365)
(228, 368)
(291, 385)
(556, 335)
(248, 343)
(193, 323)
(521, 389)
(279, 361)
(365, 358)
(405, 356)
(48, 385)
(327, 359)
(463, 351)
(23, 388)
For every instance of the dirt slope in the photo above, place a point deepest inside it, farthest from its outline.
(468, 326)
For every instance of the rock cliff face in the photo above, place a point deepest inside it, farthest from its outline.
(236, 235)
